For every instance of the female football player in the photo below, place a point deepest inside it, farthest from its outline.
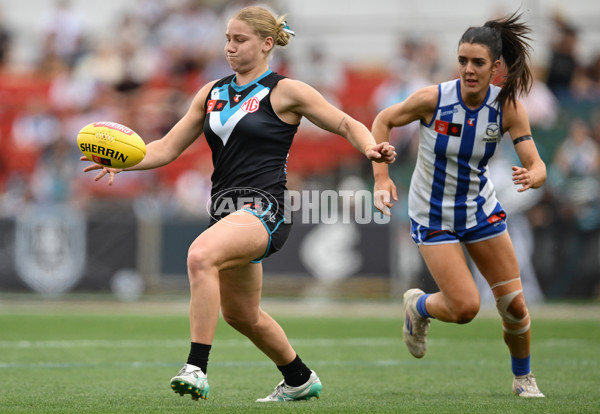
(451, 199)
(249, 120)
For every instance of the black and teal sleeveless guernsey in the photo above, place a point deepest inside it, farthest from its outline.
(249, 142)
(250, 146)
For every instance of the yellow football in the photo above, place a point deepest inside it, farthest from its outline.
(111, 144)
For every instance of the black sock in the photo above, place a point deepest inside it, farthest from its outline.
(295, 373)
(199, 355)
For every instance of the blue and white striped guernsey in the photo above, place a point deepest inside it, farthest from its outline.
(450, 186)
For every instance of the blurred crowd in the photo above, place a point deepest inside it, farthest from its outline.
(145, 68)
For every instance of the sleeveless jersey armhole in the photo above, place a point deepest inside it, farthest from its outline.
(437, 107)
(272, 86)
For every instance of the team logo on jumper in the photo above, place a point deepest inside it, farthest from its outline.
(215, 105)
(448, 128)
(251, 105)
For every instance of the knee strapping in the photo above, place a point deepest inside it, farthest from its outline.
(503, 304)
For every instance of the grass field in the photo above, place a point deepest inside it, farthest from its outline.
(106, 357)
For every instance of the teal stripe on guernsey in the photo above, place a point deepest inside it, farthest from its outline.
(229, 111)
(255, 81)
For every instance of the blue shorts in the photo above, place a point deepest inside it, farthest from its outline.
(494, 226)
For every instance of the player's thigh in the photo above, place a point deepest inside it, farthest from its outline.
(448, 267)
(495, 258)
(233, 241)
(241, 289)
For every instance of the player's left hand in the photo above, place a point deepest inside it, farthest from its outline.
(522, 176)
(383, 152)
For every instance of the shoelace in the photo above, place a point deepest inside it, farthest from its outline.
(530, 383)
(278, 390)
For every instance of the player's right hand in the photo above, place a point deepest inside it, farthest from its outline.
(111, 171)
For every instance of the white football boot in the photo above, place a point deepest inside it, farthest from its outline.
(415, 326)
(526, 387)
(191, 380)
(283, 392)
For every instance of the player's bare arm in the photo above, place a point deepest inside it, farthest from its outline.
(181, 136)
(419, 106)
(168, 148)
(532, 174)
(293, 99)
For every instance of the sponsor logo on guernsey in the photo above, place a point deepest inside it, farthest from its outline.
(215, 105)
(236, 98)
(448, 128)
(471, 122)
(449, 111)
(115, 126)
(492, 133)
(251, 105)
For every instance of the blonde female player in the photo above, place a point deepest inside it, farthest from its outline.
(249, 120)
(451, 199)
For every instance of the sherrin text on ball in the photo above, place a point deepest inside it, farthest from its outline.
(111, 144)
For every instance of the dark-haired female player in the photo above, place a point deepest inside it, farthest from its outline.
(451, 199)
(249, 120)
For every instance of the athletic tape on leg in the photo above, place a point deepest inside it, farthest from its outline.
(503, 302)
(517, 331)
(505, 282)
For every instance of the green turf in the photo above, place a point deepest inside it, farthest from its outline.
(97, 362)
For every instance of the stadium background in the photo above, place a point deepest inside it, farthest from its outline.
(65, 64)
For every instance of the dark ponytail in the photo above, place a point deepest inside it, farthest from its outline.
(507, 38)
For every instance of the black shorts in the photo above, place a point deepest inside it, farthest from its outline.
(269, 211)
